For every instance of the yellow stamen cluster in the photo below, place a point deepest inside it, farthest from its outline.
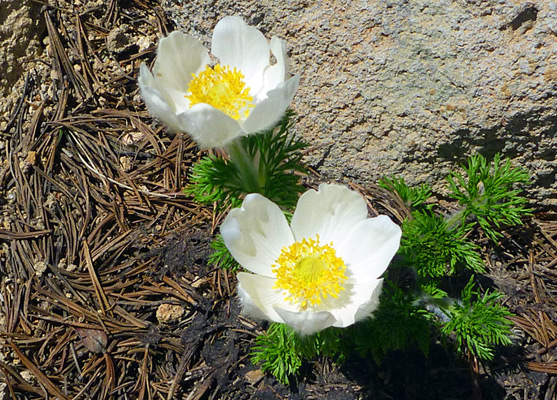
(223, 88)
(309, 272)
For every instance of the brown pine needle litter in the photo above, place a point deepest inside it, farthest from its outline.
(106, 292)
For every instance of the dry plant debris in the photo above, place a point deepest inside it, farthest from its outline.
(98, 242)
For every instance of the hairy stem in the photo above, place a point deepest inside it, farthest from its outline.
(249, 171)
(455, 220)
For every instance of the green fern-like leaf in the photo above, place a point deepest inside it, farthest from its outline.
(214, 180)
(433, 249)
(274, 154)
(277, 352)
(479, 322)
(432, 290)
(488, 193)
(281, 351)
(397, 323)
(414, 198)
(328, 343)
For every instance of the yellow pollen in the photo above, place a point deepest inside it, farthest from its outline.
(309, 272)
(223, 88)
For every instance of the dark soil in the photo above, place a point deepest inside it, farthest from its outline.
(106, 288)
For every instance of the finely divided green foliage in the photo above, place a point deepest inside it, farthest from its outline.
(433, 249)
(281, 351)
(398, 322)
(431, 290)
(414, 198)
(478, 322)
(275, 154)
(215, 180)
(488, 193)
(279, 156)
(326, 343)
(277, 352)
(437, 248)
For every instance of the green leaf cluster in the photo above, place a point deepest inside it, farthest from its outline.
(215, 180)
(489, 195)
(277, 352)
(413, 197)
(281, 351)
(273, 156)
(478, 322)
(399, 322)
(433, 249)
(438, 247)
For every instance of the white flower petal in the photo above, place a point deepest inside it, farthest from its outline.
(176, 98)
(256, 233)
(366, 309)
(242, 46)
(237, 45)
(145, 78)
(369, 247)
(306, 322)
(268, 112)
(258, 297)
(357, 302)
(178, 57)
(367, 243)
(275, 74)
(155, 101)
(208, 126)
(332, 212)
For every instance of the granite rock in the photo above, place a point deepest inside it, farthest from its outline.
(21, 27)
(412, 88)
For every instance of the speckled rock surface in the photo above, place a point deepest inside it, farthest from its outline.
(21, 28)
(20, 31)
(412, 88)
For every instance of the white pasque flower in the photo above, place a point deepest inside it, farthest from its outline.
(323, 270)
(242, 94)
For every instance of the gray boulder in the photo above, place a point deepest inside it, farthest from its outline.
(411, 88)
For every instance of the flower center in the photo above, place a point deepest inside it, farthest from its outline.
(223, 88)
(309, 272)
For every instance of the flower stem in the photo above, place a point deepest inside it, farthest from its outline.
(246, 165)
(454, 221)
(440, 307)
